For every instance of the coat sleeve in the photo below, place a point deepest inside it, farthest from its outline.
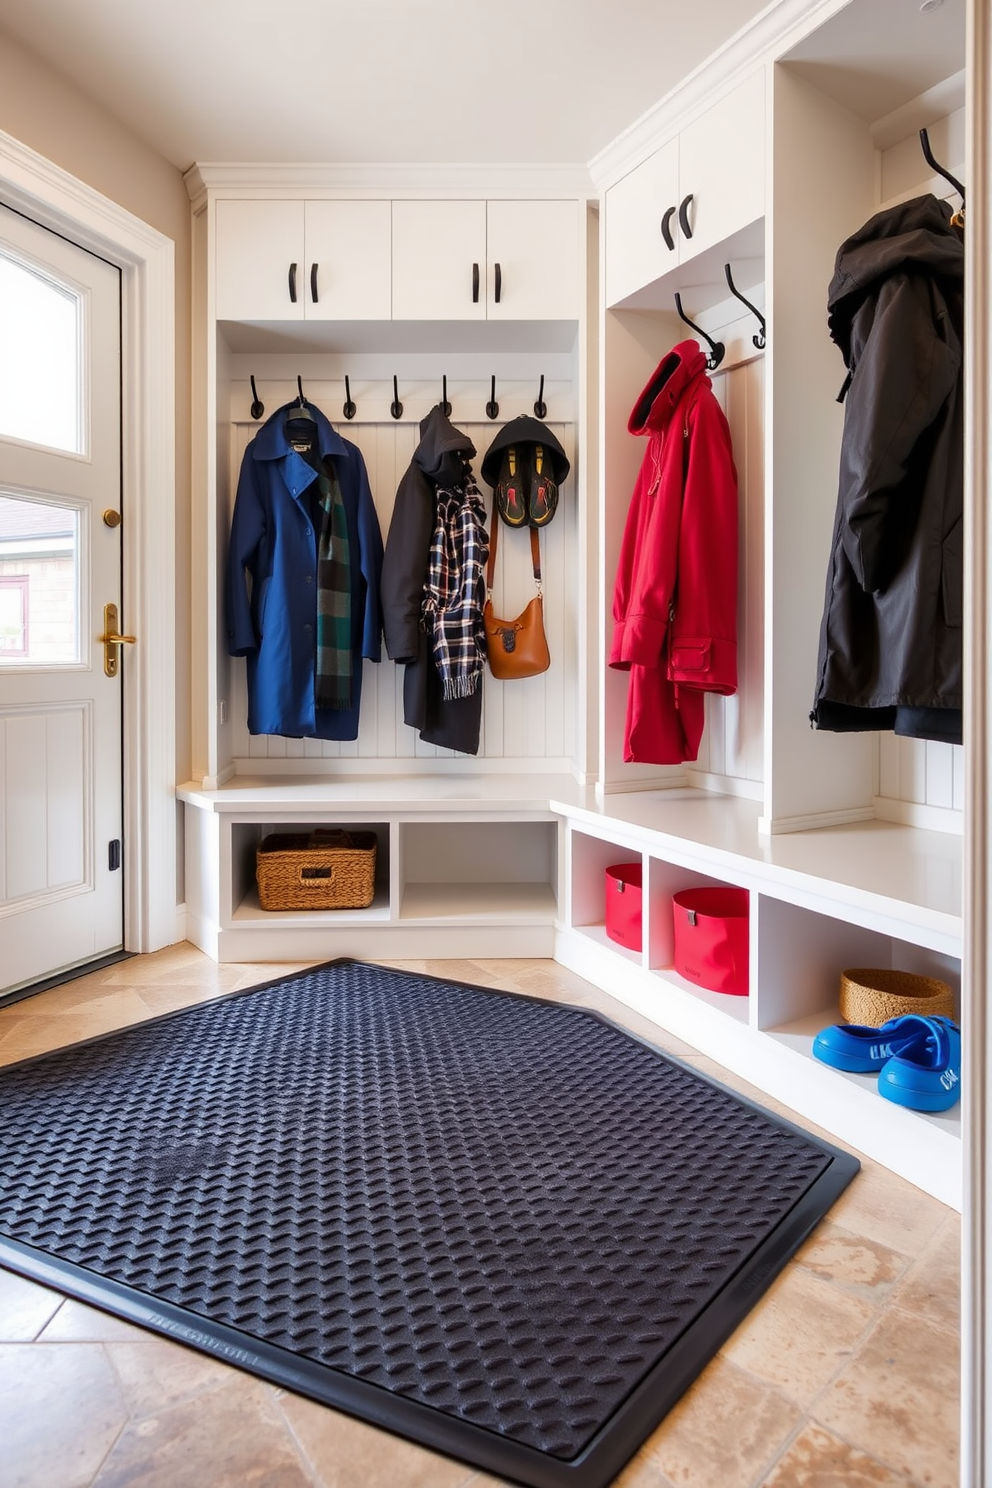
(906, 359)
(405, 565)
(370, 541)
(248, 534)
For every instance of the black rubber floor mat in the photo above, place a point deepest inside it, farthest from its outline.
(503, 1227)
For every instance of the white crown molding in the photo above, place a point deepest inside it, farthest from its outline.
(31, 184)
(50, 196)
(289, 179)
(773, 31)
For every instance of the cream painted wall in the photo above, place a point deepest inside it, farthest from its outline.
(39, 107)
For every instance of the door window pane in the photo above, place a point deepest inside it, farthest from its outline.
(40, 358)
(39, 583)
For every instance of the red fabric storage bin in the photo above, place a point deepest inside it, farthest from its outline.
(711, 938)
(623, 904)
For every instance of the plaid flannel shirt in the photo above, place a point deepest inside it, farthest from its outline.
(455, 593)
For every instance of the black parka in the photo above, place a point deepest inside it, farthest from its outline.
(438, 461)
(890, 640)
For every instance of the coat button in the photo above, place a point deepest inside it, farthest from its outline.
(309, 578)
(308, 626)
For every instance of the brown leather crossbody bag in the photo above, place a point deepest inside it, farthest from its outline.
(516, 648)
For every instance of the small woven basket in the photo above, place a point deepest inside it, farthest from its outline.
(324, 869)
(871, 997)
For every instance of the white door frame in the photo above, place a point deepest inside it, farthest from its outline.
(146, 258)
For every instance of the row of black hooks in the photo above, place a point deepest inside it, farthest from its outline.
(396, 407)
(717, 348)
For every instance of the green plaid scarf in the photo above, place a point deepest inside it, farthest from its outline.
(332, 686)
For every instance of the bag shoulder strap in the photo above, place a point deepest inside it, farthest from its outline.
(535, 554)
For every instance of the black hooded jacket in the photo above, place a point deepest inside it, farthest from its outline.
(890, 640)
(438, 462)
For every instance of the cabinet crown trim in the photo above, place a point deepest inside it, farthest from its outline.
(772, 32)
(391, 181)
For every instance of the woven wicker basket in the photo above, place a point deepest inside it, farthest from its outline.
(871, 997)
(324, 869)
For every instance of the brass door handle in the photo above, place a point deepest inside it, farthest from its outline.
(113, 640)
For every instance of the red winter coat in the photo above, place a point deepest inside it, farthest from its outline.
(675, 598)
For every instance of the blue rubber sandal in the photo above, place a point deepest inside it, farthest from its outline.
(925, 1074)
(861, 1050)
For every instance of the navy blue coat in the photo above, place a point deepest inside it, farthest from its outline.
(271, 591)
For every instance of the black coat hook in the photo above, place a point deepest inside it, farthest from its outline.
(396, 407)
(445, 405)
(935, 166)
(540, 407)
(759, 339)
(257, 406)
(349, 410)
(299, 384)
(492, 407)
(717, 349)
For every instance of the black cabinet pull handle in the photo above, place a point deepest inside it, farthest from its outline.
(499, 282)
(684, 216)
(313, 283)
(292, 282)
(666, 229)
(475, 284)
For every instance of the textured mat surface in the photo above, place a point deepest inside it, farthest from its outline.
(500, 1225)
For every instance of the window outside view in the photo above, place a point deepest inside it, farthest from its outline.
(40, 359)
(39, 584)
(40, 404)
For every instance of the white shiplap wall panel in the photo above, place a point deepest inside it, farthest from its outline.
(922, 781)
(940, 775)
(532, 719)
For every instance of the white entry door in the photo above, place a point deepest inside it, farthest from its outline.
(61, 885)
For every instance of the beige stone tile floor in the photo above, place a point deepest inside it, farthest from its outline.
(845, 1374)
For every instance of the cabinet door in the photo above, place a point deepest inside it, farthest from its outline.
(257, 243)
(722, 162)
(439, 260)
(636, 252)
(347, 260)
(532, 249)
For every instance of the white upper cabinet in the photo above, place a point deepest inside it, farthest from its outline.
(640, 210)
(348, 260)
(294, 260)
(722, 163)
(260, 260)
(439, 260)
(696, 190)
(532, 250)
(474, 260)
(401, 260)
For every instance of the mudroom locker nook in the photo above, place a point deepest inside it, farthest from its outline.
(392, 300)
(385, 292)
